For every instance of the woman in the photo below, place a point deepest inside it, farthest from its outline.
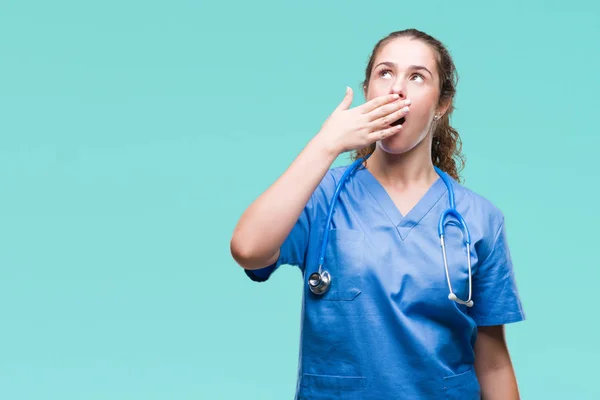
(389, 326)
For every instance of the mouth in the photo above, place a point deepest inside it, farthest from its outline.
(399, 122)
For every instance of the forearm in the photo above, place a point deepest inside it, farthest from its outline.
(498, 383)
(267, 222)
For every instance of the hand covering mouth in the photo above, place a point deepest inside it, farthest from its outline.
(399, 122)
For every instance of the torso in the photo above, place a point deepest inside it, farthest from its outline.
(408, 197)
(406, 200)
(386, 324)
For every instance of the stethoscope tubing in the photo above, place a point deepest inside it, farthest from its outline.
(319, 282)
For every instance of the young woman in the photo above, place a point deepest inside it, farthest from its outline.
(390, 309)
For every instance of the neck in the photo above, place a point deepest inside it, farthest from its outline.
(414, 167)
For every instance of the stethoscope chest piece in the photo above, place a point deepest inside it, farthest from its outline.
(318, 282)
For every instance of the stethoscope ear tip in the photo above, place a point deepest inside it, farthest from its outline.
(453, 297)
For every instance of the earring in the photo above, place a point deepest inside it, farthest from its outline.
(436, 117)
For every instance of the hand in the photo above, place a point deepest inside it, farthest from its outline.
(351, 129)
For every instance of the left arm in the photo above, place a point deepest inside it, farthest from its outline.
(493, 365)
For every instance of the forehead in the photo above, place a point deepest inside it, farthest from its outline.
(407, 51)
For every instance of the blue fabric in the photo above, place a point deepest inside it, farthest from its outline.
(386, 328)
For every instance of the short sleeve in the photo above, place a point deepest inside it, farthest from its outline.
(495, 295)
(292, 251)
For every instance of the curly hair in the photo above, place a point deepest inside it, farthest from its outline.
(446, 144)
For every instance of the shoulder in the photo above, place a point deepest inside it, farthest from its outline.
(485, 219)
(478, 207)
(321, 197)
(328, 184)
(335, 173)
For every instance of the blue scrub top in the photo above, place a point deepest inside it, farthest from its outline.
(386, 328)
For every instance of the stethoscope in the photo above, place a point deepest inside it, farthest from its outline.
(319, 282)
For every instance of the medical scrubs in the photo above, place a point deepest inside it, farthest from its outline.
(386, 328)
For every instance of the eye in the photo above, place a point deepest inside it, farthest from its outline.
(384, 71)
(421, 77)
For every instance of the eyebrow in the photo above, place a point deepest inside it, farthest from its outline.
(412, 67)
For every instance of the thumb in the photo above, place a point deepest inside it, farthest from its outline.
(347, 101)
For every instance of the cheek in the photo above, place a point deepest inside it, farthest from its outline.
(423, 105)
(373, 93)
(378, 88)
(418, 111)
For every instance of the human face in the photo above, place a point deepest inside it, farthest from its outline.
(408, 67)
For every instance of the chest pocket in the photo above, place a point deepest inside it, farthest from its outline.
(344, 261)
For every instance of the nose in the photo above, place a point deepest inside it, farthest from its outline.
(399, 88)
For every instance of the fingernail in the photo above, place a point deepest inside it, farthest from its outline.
(407, 102)
(405, 109)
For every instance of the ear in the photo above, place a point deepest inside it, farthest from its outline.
(443, 108)
(365, 91)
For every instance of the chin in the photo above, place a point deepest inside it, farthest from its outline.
(397, 144)
(403, 141)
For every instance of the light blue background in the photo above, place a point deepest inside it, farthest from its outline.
(134, 134)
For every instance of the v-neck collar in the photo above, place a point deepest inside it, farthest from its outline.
(403, 224)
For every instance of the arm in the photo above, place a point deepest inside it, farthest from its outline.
(264, 226)
(493, 365)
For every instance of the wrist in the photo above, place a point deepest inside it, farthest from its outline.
(327, 146)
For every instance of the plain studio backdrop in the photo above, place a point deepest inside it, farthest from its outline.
(133, 135)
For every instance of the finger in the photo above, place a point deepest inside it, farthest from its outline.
(347, 101)
(387, 109)
(384, 133)
(386, 120)
(377, 102)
